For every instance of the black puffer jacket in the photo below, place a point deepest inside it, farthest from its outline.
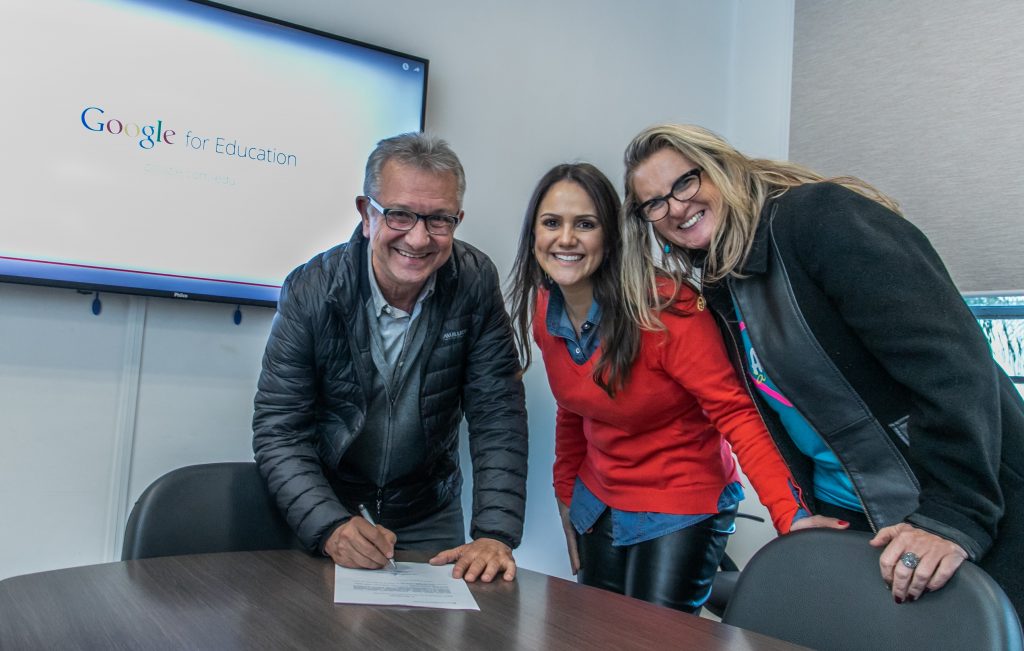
(317, 369)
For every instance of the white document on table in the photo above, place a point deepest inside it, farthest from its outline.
(414, 584)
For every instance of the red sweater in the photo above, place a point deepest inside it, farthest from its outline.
(663, 443)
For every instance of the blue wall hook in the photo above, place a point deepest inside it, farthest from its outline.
(97, 306)
(238, 314)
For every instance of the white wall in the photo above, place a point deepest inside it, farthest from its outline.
(93, 408)
(760, 77)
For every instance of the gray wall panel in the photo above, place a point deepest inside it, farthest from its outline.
(924, 99)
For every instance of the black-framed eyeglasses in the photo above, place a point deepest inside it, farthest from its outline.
(684, 189)
(401, 219)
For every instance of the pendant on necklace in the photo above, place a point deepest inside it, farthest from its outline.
(701, 303)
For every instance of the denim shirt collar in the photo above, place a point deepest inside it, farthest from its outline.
(560, 325)
(558, 317)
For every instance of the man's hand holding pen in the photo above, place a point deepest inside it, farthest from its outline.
(361, 544)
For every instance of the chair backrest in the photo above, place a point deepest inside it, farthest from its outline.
(822, 588)
(214, 507)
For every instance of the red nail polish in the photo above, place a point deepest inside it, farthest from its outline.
(898, 600)
(844, 523)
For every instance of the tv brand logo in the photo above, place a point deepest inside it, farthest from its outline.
(148, 135)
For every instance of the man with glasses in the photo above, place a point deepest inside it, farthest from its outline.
(378, 347)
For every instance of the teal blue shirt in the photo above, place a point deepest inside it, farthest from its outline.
(831, 483)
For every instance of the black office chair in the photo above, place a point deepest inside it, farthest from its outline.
(214, 507)
(822, 588)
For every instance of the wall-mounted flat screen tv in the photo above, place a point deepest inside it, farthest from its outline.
(184, 149)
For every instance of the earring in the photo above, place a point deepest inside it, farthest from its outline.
(668, 249)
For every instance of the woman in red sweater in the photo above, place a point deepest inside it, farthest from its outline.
(649, 409)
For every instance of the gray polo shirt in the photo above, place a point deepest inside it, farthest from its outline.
(391, 325)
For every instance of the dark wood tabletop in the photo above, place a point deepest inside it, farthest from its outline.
(285, 600)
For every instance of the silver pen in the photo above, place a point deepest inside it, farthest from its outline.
(366, 516)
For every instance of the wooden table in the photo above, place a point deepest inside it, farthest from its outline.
(284, 600)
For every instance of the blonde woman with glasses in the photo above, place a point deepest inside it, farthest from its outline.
(872, 374)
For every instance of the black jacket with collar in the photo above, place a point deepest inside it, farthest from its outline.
(855, 318)
(311, 399)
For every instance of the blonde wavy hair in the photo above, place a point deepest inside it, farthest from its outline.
(745, 185)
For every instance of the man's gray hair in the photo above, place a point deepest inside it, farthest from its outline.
(420, 150)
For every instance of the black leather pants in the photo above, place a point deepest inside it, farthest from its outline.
(675, 570)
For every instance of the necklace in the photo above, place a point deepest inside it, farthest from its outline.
(701, 303)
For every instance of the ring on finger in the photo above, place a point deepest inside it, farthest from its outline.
(910, 559)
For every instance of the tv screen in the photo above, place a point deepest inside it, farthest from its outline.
(184, 149)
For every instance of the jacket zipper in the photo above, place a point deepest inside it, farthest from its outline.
(391, 396)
